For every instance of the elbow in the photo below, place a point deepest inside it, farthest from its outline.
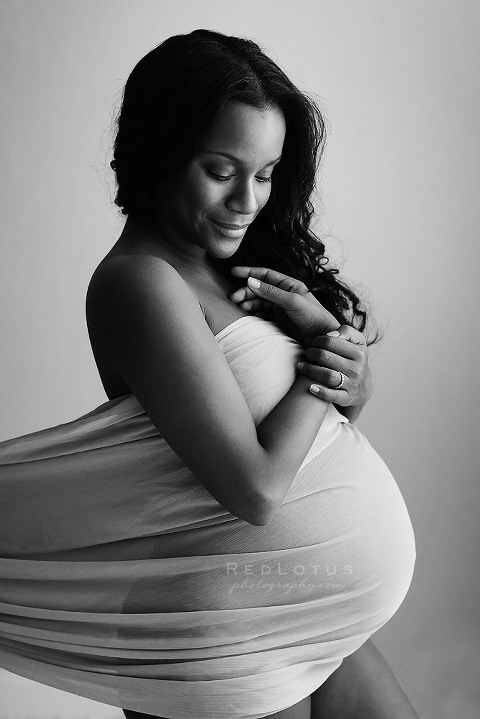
(261, 511)
(256, 500)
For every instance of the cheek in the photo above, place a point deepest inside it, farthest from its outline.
(209, 195)
(203, 195)
(264, 195)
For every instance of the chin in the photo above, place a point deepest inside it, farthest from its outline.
(225, 251)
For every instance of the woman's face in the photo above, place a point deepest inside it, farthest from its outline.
(209, 206)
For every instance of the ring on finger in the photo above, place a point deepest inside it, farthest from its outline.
(342, 380)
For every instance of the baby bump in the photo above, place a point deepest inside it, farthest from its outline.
(342, 534)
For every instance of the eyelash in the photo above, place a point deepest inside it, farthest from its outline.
(224, 178)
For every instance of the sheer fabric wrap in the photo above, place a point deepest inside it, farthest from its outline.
(123, 580)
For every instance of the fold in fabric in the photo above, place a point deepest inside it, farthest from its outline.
(124, 581)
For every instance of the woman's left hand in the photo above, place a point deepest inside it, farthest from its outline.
(339, 356)
(329, 355)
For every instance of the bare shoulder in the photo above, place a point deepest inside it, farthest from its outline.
(131, 276)
(125, 271)
(131, 289)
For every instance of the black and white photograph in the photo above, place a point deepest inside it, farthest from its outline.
(239, 380)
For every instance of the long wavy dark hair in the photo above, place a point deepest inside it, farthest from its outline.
(170, 101)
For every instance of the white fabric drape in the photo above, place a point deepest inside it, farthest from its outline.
(123, 580)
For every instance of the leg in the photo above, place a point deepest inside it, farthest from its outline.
(363, 687)
(138, 715)
(301, 710)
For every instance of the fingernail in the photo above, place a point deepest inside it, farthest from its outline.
(253, 282)
(300, 365)
(314, 388)
(334, 333)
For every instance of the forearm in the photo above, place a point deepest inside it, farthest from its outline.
(363, 687)
(287, 434)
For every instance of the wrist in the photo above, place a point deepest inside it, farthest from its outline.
(367, 386)
(366, 390)
(322, 329)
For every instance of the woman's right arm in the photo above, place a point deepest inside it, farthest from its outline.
(149, 327)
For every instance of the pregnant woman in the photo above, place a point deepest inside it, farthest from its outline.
(217, 540)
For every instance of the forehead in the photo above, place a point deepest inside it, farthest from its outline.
(248, 133)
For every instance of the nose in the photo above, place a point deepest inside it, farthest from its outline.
(243, 199)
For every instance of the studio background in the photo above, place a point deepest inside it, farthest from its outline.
(400, 212)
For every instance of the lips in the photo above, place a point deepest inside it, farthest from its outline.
(229, 226)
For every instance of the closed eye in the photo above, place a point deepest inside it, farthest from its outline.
(225, 178)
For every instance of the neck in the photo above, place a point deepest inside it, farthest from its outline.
(157, 233)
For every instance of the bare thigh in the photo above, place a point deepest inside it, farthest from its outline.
(297, 711)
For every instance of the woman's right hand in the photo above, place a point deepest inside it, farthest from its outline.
(279, 293)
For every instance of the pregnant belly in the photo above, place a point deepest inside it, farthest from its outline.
(349, 504)
(341, 543)
(342, 539)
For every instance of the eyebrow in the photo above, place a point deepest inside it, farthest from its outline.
(236, 159)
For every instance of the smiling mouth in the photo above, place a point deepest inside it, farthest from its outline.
(233, 232)
(228, 226)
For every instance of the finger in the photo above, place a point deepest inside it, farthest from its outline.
(257, 304)
(254, 305)
(349, 333)
(339, 346)
(338, 396)
(244, 293)
(273, 277)
(325, 358)
(330, 378)
(283, 298)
